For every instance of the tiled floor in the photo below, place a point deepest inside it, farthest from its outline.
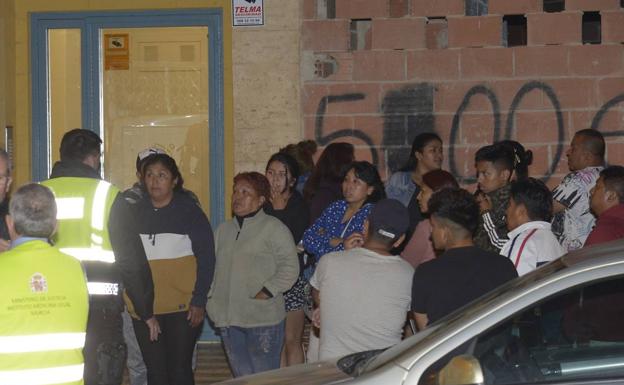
(211, 364)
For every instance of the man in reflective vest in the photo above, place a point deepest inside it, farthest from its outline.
(44, 302)
(85, 204)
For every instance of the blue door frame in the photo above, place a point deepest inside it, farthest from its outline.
(90, 23)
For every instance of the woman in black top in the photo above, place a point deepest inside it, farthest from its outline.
(288, 205)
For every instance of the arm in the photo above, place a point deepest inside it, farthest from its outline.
(564, 194)
(421, 320)
(316, 315)
(420, 288)
(316, 239)
(315, 282)
(130, 257)
(200, 233)
(203, 248)
(286, 261)
(558, 207)
(496, 228)
(494, 221)
(353, 235)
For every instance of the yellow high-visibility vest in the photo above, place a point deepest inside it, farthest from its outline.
(83, 208)
(43, 316)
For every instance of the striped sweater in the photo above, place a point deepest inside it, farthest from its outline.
(179, 246)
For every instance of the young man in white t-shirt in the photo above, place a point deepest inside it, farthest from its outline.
(364, 293)
(531, 241)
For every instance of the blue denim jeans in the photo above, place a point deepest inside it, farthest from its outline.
(253, 350)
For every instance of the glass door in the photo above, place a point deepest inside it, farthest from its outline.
(154, 84)
(140, 79)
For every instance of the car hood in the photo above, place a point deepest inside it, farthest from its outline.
(307, 374)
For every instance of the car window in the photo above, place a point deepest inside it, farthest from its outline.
(440, 327)
(576, 335)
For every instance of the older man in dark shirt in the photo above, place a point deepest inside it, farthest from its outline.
(607, 203)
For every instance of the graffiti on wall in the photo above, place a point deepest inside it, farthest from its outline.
(409, 111)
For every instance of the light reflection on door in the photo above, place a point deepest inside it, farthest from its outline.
(155, 94)
(64, 87)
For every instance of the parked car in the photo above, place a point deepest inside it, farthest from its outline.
(563, 323)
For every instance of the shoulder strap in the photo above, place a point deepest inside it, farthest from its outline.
(522, 247)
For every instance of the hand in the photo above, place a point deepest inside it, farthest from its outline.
(195, 315)
(4, 245)
(261, 295)
(484, 203)
(334, 242)
(354, 240)
(154, 328)
(316, 317)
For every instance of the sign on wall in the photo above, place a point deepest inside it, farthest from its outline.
(116, 51)
(247, 12)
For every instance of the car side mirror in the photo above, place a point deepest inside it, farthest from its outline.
(461, 370)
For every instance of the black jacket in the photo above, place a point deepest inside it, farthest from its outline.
(4, 210)
(130, 267)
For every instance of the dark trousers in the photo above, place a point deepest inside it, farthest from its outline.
(104, 350)
(169, 359)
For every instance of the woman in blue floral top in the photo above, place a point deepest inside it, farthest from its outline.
(361, 188)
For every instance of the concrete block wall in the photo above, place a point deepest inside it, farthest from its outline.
(394, 68)
(266, 85)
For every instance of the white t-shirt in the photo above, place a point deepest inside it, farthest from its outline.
(530, 245)
(364, 297)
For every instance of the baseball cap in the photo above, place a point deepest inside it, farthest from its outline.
(145, 153)
(389, 218)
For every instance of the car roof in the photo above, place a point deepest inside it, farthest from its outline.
(604, 253)
(580, 263)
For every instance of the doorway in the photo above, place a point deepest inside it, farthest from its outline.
(138, 79)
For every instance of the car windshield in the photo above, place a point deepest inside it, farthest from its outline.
(467, 311)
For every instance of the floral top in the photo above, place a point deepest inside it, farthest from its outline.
(573, 225)
(329, 225)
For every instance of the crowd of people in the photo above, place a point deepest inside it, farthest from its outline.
(372, 262)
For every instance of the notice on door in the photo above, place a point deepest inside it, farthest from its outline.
(247, 12)
(116, 51)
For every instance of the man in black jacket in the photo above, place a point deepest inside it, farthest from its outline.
(76, 179)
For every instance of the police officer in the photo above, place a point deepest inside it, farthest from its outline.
(44, 302)
(86, 210)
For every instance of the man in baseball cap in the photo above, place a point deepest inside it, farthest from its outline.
(366, 291)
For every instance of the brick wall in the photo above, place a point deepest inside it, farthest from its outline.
(378, 72)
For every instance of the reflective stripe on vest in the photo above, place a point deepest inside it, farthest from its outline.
(69, 208)
(103, 288)
(45, 376)
(99, 205)
(77, 209)
(41, 343)
(89, 254)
